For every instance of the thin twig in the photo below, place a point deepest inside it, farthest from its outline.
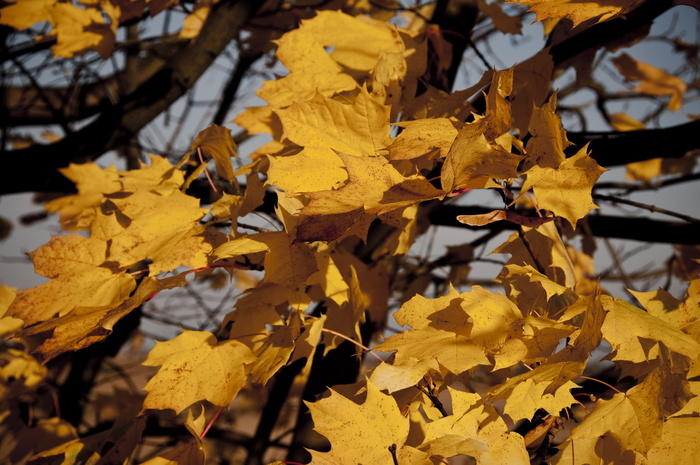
(651, 208)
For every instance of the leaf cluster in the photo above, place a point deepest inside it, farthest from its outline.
(363, 145)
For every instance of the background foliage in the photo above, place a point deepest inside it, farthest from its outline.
(303, 305)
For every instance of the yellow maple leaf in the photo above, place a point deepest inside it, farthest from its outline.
(311, 70)
(682, 314)
(445, 311)
(473, 160)
(78, 279)
(565, 190)
(474, 429)
(654, 81)
(678, 444)
(85, 325)
(635, 335)
(163, 228)
(276, 349)
(358, 41)
(534, 292)
(313, 169)
(359, 128)
(547, 387)
(546, 244)
(76, 29)
(8, 324)
(240, 246)
(93, 182)
(501, 21)
(635, 419)
(188, 454)
(546, 147)
(201, 368)
(374, 188)
(423, 136)
(215, 142)
(531, 87)
(359, 433)
(455, 353)
(579, 11)
(192, 24)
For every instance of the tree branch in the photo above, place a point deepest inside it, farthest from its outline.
(35, 168)
(620, 148)
(631, 228)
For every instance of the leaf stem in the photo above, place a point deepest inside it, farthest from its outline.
(602, 382)
(206, 172)
(211, 422)
(358, 344)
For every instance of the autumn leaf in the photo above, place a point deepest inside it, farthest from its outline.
(636, 335)
(360, 128)
(215, 142)
(201, 368)
(162, 228)
(311, 70)
(423, 136)
(636, 419)
(78, 280)
(502, 21)
(311, 170)
(416, 347)
(565, 190)
(483, 219)
(240, 246)
(546, 146)
(359, 433)
(188, 454)
(77, 29)
(476, 430)
(94, 183)
(473, 160)
(683, 315)
(85, 325)
(358, 41)
(8, 324)
(374, 188)
(546, 244)
(654, 81)
(545, 387)
(192, 24)
(579, 11)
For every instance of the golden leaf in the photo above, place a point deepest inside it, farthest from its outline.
(579, 11)
(636, 335)
(473, 160)
(78, 279)
(654, 81)
(360, 128)
(565, 190)
(546, 147)
(503, 215)
(313, 169)
(360, 433)
(636, 419)
(216, 143)
(201, 368)
(423, 136)
(374, 188)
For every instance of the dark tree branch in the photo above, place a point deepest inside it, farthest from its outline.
(620, 148)
(35, 168)
(244, 63)
(610, 33)
(638, 229)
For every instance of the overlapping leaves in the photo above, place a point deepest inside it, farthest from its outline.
(338, 170)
